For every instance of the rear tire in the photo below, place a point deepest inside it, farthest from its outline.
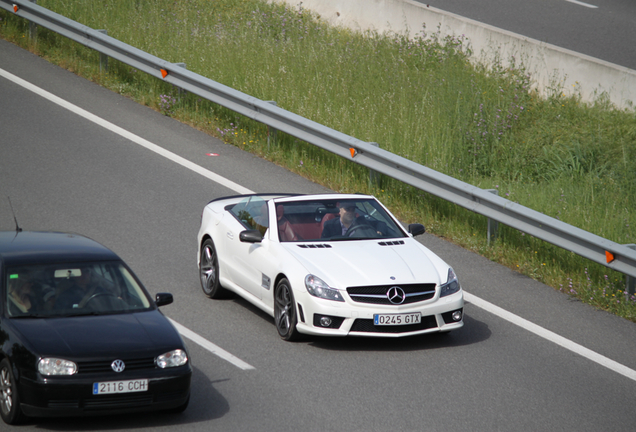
(9, 398)
(285, 312)
(209, 272)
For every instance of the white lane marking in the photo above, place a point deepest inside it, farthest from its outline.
(214, 349)
(551, 336)
(130, 136)
(496, 310)
(587, 5)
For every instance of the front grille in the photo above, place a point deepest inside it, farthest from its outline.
(117, 401)
(104, 365)
(378, 294)
(62, 404)
(366, 326)
(107, 402)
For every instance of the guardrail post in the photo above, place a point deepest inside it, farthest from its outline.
(103, 58)
(181, 92)
(630, 282)
(374, 176)
(493, 225)
(33, 27)
(271, 132)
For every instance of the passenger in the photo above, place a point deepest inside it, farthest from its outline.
(20, 296)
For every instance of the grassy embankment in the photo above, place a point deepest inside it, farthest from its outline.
(417, 96)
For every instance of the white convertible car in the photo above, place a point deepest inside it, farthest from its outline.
(332, 265)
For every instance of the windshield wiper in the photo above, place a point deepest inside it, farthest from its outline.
(33, 315)
(70, 315)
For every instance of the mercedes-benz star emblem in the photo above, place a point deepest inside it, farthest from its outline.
(118, 366)
(396, 295)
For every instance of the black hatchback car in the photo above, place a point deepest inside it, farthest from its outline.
(79, 334)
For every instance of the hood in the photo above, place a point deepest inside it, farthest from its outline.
(91, 337)
(370, 262)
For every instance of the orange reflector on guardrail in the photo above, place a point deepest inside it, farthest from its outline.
(15, 8)
(353, 152)
(164, 73)
(609, 256)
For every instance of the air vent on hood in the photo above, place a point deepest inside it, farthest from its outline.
(314, 246)
(391, 243)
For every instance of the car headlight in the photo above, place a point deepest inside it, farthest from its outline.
(451, 286)
(56, 366)
(172, 359)
(318, 288)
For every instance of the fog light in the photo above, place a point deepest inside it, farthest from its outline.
(325, 321)
(457, 315)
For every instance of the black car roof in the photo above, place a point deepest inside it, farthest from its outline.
(30, 247)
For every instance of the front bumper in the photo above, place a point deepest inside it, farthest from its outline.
(357, 319)
(73, 395)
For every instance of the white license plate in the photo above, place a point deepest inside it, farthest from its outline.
(397, 319)
(111, 387)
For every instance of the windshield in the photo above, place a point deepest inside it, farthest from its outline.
(335, 220)
(72, 289)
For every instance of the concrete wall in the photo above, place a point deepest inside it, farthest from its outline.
(548, 65)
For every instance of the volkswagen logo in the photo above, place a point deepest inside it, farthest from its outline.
(396, 295)
(118, 366)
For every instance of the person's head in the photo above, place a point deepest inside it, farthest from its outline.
(84, 278)
(20, 286)
(347, 213)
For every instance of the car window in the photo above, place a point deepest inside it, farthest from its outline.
(252, 213)
(320, 220)
(73, 289)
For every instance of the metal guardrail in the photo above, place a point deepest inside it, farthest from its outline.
(613, 255)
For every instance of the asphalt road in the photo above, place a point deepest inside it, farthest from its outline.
(65, 172)
(604, 29)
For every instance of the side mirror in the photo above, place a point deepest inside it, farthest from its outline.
(416, 229)
(162, 299)
(251, 236)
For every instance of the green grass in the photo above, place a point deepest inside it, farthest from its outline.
(418, 95)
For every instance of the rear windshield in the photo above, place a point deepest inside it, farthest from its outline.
(73, 289)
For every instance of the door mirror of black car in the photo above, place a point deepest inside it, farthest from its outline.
(416, 229)
(162, 299)
(251, 236)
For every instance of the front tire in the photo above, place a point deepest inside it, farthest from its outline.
(209, 272)
(285, 311)
(9, 398)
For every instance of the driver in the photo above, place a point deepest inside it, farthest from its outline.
(80, 290)
(342, 226)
